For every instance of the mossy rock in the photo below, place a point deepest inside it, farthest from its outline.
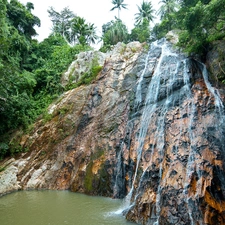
(97, 183)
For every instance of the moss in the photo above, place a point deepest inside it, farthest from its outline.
(103, 181)
(99, 152)
(43, 153)
(71, 74)
(97, 183)
(89, 177)
(47, 117)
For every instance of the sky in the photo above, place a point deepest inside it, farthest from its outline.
(93, 11)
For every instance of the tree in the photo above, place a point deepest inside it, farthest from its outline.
(141, 32)
(22, 19)
(82, 32)
(118, 4)
(145, 13)
(3, 29)
(61, 21)
(201, 24)
(74, 29)
(29, 6)
(168, 7)
(114, 32)
(92, 36)
(188, 3)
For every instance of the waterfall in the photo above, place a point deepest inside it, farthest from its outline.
(162, 72)
(139, 82)
(213, 91)
(170, 88)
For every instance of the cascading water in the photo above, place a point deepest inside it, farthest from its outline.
(164, 77)
(151, 103)
(170, 90)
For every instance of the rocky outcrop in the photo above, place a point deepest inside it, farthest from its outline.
(8, 177)
(75, 145)
(150, 128)
(83, 64)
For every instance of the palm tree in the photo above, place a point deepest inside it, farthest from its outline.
(82, 32)
(145, 12)
(118, 32)
(118, 4)
(167, 7)
(91, 34)
(114, 32)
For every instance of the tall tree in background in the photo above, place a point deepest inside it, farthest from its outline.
(168, 7)
(118, 4)
(61, 21)
(74, 29)
(145, 13)
(92, 36)
(22, 19)
(82, 32)
(169, 21)
(113, 32)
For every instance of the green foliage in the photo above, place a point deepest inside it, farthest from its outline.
(113, 32)
(200, 22)
(22, 19)
(47, 116)
(3, 150)
(49, 75)
(89, 77)
(141, 32)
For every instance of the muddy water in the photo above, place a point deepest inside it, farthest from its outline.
(58, 208)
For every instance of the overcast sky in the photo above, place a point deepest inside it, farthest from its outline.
(94, 11)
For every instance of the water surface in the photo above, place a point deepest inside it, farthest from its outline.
(59, 208)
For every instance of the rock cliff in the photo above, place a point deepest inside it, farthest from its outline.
(149, 129)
